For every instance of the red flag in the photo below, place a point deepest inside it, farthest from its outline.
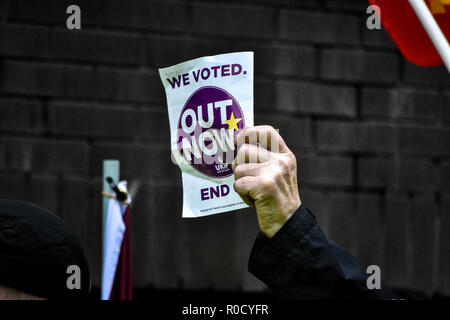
(403, 26)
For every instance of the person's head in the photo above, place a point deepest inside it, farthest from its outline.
(7, 293)
(40, 257)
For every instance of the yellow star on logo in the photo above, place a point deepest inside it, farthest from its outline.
(232, 122)
(438, 6)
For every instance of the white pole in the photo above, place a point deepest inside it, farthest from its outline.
(111, 168)
(432, 28)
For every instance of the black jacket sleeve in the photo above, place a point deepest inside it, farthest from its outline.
(301, 262)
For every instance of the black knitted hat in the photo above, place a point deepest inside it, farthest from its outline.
(36, 249)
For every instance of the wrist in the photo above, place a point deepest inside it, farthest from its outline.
(275, 227)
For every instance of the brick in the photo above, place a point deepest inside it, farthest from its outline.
(86, 121)
(360, 137)
(422, 231)
(246, 227)
(211, 272)
(142, 216)
(150, 228)
(43, 191)
(40, 190)
(95, 46)
(43, 155)
(52, 156)
(171, 252)
(146, 15)
(445, 177)
(425, 141)
(328, 207)
(348, 5)
(13, 186)
(280, 60)
(292, 61)
(376, 38)
(73, 119)
(15, 154)
(342, 226)
(76, 210)
(265, 95)
(319, 27)
(24, 41)
(414, 175)
(359, 66)
(2, 8)
(379, 102)
(444, 112)
(292, 3)
(319, 203)
(404, 175)
(326, 171)
(444, 248)
(75, 207)
(43, 79)
(20, 116)
(230, 20)
(397, 264)
(311, 98)
(153, 126)
(195, 276)
(163, 51)
(121, 85)
(423, 105)
(425, 75)
(405, 104)
(94, 231)
(295, 132)
(70, 119)
(370, 229)
(136, 161)
(376, 173)
(228, 275)
(53, 11)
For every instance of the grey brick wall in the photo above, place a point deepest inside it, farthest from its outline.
(371, 132)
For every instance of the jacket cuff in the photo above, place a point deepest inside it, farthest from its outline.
(267, 252)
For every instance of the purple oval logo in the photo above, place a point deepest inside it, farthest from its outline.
(208, 123)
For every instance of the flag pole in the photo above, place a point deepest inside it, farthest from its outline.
(111, 168)
(432, 28)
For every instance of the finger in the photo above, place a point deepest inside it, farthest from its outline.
(247, 169)
(265, 136)
(250, 153)
(246, 186)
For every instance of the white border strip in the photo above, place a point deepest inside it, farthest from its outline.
(432, 28)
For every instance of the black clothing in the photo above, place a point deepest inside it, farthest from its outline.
(36, 249)
(301, 262)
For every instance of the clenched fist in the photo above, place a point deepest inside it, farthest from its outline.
(266, 176)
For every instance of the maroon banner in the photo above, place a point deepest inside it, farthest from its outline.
(123, 283)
